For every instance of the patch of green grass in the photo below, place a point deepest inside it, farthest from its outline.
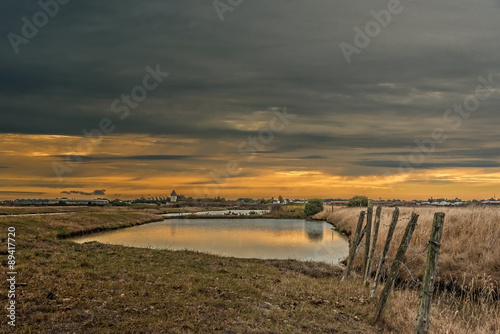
(62, 232)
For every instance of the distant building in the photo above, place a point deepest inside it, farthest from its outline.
(338, 202)
(491, 202)
(86, 202)
(56, 201)
(173, 196)
(36, 201)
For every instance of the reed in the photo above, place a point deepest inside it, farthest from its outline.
(468, 273)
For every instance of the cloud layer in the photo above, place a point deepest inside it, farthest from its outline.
(77, 192)
(227, 79)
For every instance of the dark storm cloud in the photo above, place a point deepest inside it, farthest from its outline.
(431, 165)
(265, 54)
(77, 192)
(84, 158)
(314, 157)
(481, 153)
(490, 153)
(21, 192)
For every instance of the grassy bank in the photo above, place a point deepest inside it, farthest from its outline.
(94, 288)
(287, 211)
(276, 211)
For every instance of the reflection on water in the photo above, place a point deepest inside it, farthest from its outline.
(314, 231)
(244, 238)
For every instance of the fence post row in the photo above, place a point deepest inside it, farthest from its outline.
(381, 265)
(373, 244)
(395, 266)
(355, 242)
(424, 303)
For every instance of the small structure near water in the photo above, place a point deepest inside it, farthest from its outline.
(173, 196)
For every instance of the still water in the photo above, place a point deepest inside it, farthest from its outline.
(244, 238)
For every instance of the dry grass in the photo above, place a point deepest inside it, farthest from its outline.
(16, 210)
(95, 288)
(469, 266)
(469, 241)
(449, 314)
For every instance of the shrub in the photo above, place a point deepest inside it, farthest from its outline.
(313, 206)
(276, 209)
(358, 201)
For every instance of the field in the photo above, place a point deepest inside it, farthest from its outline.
(93, 288)
(469, 264)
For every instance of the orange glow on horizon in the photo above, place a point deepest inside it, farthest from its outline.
(132, 166)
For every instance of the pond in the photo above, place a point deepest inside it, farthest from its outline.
(243, 238)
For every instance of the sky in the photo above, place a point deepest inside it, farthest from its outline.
(250, 98)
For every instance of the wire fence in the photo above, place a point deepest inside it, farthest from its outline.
(432, 248)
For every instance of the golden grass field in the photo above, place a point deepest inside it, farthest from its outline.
(94, 288)
(469, 263)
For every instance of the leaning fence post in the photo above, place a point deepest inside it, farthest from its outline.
(373, 244)
(360, 239)
(381, 264)
(424, 303)
(395, 266)
(354, 245)
(369, 214)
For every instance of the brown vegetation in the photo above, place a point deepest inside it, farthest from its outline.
(469, 241)
(94, 288)
(469, 264)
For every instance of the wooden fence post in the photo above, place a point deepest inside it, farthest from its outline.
(424, 303)
(360, 239)
(386, 293)
(369, 214)
(381, 264)
(354, 245)
(373, 244)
